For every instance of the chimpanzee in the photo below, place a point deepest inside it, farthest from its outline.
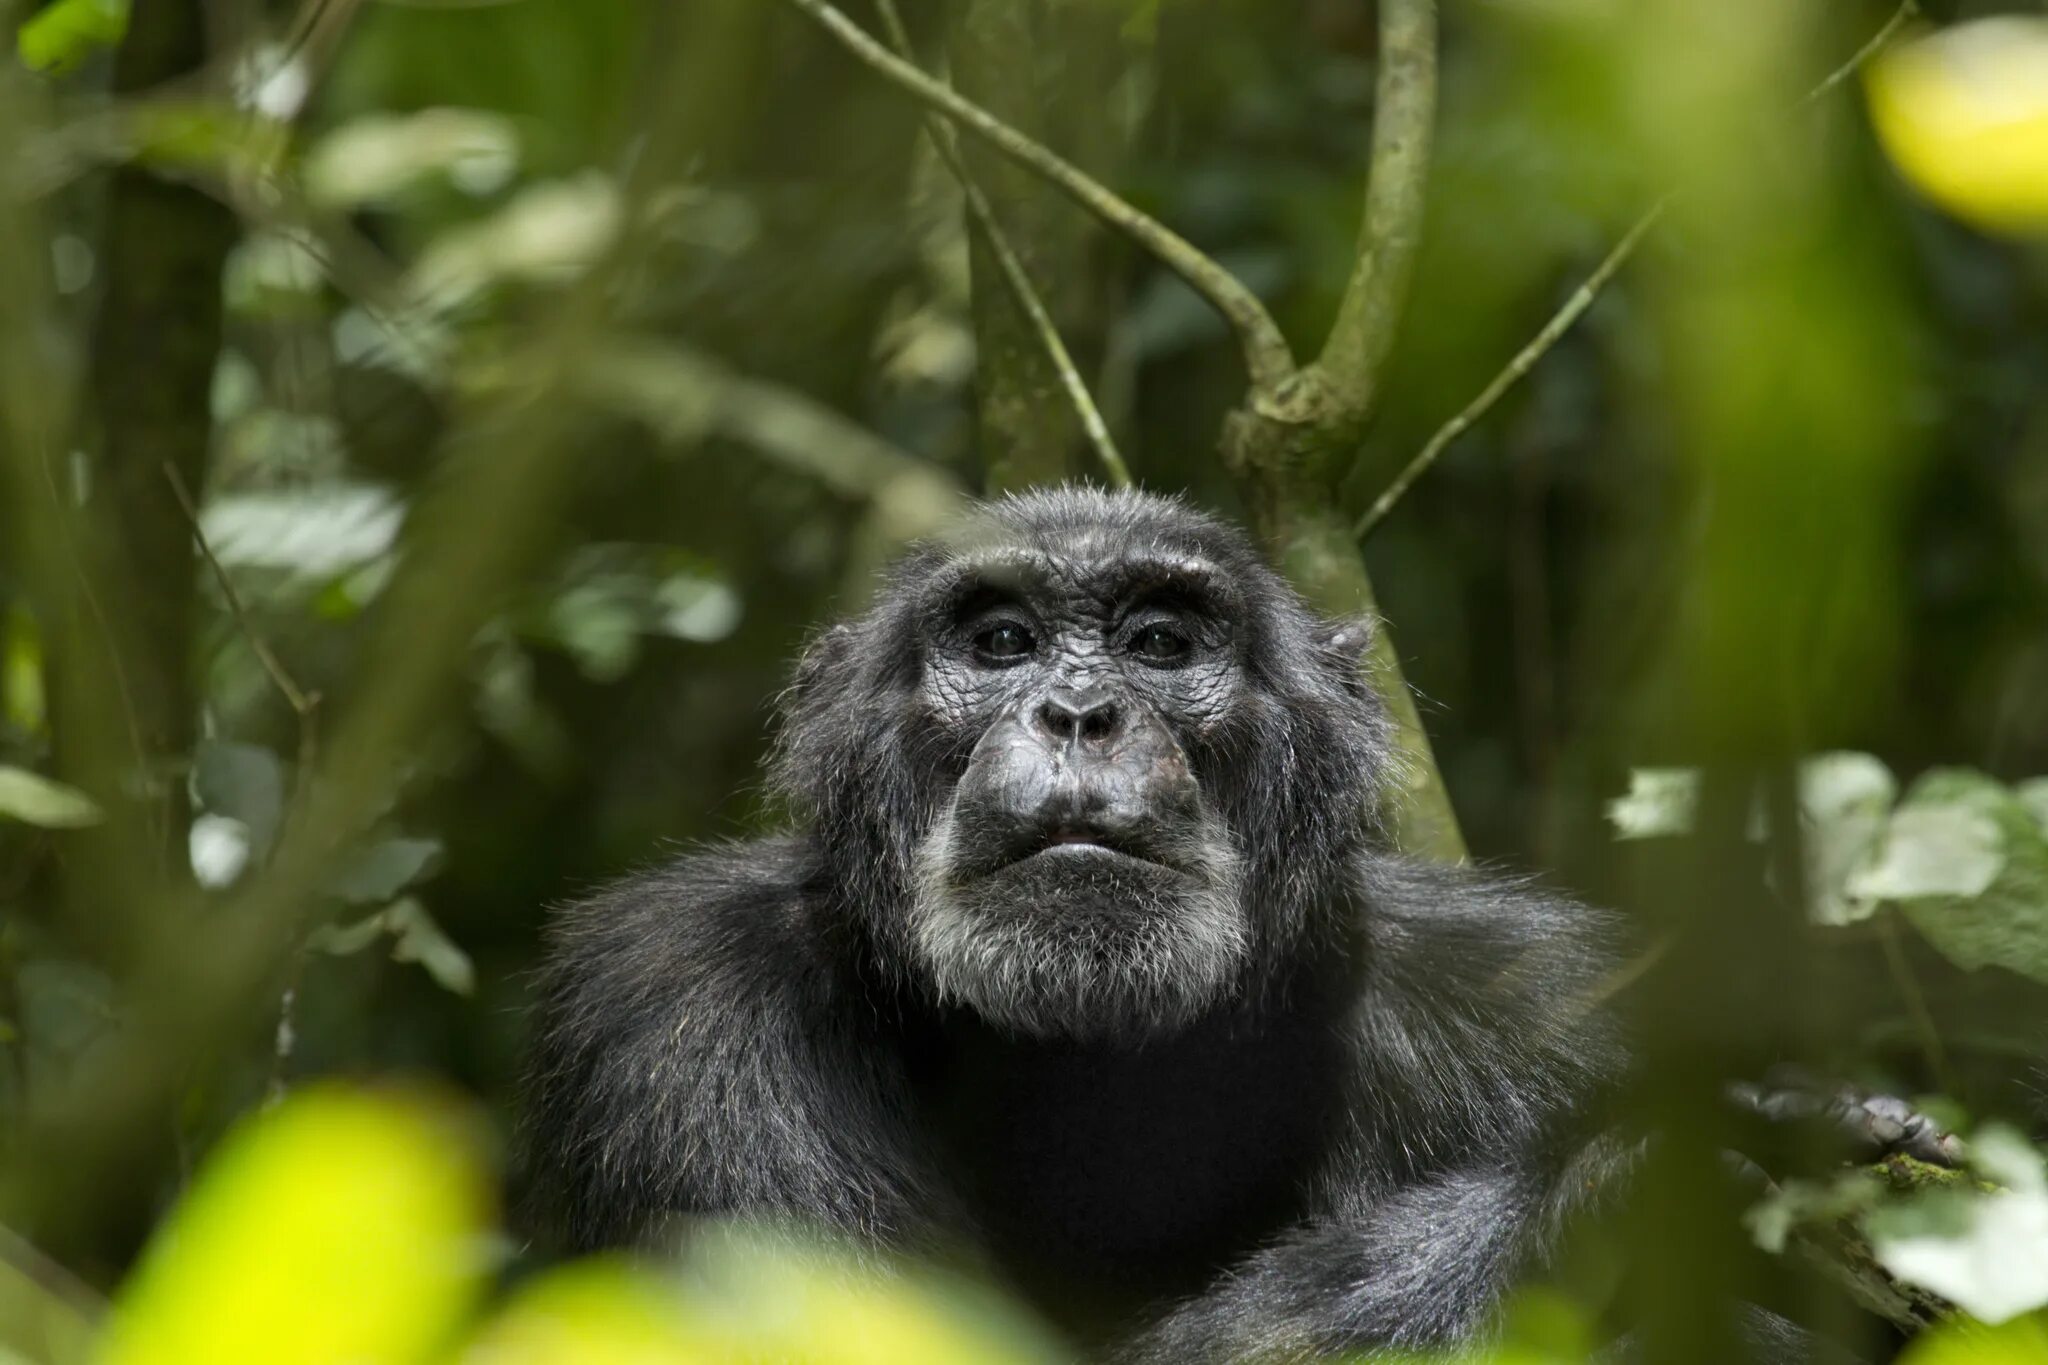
(1081, 958)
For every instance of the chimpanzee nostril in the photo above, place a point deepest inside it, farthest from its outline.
(1090, 720)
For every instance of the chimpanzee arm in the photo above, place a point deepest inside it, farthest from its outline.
(1425, 1266)
(1481, 1052)
(696, 1053)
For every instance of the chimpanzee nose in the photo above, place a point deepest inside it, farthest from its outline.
(1089, 717)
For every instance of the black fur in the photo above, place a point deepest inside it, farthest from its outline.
(1339, 1108)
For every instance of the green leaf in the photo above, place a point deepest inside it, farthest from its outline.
(36, 800)
(2005, 923)
(1660, 801)
(204, 135)
(421, 940)
(22, 702)
(696, 608)
(1932, 851)
(1972, 1247)
(384, 869)
(61, 35)
(2023, 1341)
(1842, 782)
(1845, 799)
(549, 232)
(244, 782)
(346, 940)
(379, 155)
(418, 939)
(2033, 794)
(316, 532)
(66, 1007)
(599, 622)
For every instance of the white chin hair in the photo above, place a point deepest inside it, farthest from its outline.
(1085, 944)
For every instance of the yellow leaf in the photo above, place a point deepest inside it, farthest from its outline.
(1963, 114)
(344, 1225)
(766, 1300)
(603, 1311)
(2023, 1341)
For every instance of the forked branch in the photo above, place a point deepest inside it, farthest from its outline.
(1404, 118)
(1267, 359)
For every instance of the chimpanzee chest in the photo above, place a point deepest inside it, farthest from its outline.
(1102, 1174)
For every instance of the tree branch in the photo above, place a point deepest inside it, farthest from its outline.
(1904, 14)
(1582, 298)
(1404, 116)
(1280, 439)
(946, 142)
(682, 395)
(302, 702)
(1523, 362)
(1267, 358)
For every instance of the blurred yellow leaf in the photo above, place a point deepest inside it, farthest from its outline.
(596, 1312)
(770, 1301)
(342, 1226)
(2023, 1341)
(1963, 113)
(746, 1298)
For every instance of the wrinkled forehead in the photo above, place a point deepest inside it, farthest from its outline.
(1087, 565)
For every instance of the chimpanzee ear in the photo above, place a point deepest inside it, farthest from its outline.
(1346, 639)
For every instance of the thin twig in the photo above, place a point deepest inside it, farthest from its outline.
(1901, 969)
(1404, 117)
(1582, 298)
(1523, 362)
(302, 702)
(305, 705)
(1907, 11)
(1267, 359)
(946, 142)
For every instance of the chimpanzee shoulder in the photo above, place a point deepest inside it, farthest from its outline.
(1483, 1012)
(687, 1020)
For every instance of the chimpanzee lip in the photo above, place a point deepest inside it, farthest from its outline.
(1074, 842)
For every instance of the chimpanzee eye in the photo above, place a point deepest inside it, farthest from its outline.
(1004, 640)
(1160, 642)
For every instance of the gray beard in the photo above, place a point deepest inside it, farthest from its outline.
(1082, 945)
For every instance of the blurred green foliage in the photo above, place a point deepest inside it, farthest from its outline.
(579, 357)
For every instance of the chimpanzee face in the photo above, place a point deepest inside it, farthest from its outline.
(1079, 879)
(1089, 768)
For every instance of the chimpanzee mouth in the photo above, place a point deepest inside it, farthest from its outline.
(1069, 841)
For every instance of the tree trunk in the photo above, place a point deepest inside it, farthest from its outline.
(1029, 431)
(155, 340)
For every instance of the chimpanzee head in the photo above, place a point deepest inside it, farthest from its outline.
(1088, 767)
